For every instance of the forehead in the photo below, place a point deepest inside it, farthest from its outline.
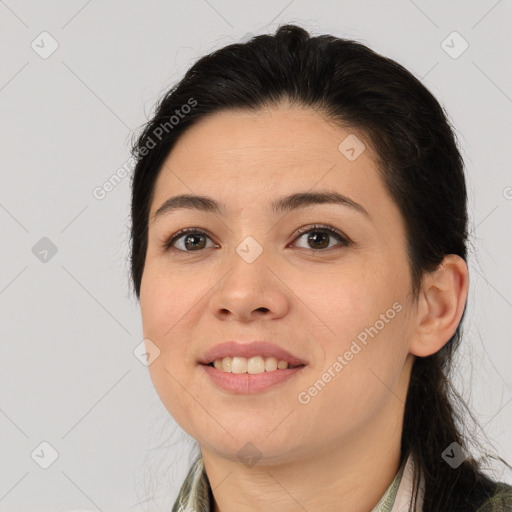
(294, 133)
(248, 160)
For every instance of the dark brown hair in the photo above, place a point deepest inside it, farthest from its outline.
(420, 164)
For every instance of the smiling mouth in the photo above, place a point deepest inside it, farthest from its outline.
(254, 365)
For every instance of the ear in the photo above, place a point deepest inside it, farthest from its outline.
(440, 306)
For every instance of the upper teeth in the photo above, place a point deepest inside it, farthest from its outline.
(256, 364)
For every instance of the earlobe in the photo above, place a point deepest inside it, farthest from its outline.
(440, 306)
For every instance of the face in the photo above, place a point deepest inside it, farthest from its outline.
(335, 295)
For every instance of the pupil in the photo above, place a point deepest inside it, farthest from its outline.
(191, 237)
(314, 237)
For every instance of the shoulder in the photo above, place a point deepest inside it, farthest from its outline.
(500, 501)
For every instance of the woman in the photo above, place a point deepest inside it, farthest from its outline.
(299, 233)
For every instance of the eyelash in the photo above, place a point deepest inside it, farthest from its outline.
(345, 241)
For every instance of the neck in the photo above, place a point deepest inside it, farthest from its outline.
(352, 476)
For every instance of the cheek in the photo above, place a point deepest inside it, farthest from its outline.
(346, 301)
(365, 316)
(359, 372)
(167, 312)
(162, 302)
(161, 310)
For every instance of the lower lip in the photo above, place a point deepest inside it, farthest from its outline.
(246, 383)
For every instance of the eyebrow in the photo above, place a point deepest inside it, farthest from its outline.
(281, 205)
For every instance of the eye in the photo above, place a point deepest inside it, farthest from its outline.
(194, 239)
(318, 235)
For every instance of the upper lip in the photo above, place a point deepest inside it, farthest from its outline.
(249, 349)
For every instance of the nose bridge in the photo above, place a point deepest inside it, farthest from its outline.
(248, 264)
(250, 249)
(248, 274)
(250, 240)
(249, 232)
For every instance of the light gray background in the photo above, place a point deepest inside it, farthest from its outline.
(68, 375)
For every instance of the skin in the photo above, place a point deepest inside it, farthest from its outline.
(341, 450)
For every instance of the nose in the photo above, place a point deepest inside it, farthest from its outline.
(250, 291)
